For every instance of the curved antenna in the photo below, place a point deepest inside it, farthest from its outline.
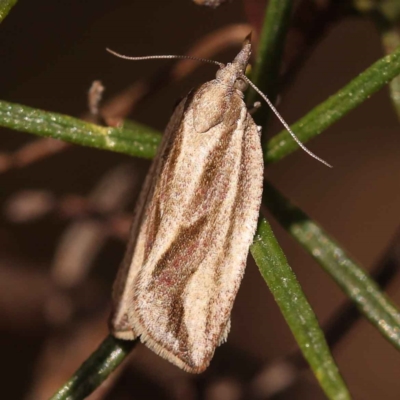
(296, 139)
(221, 65)
(166, 57)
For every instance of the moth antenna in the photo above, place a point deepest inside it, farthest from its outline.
(296, 139)
(166, 57)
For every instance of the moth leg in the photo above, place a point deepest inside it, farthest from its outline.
(256, 106)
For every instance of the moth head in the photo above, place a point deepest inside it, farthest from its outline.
(230, 74)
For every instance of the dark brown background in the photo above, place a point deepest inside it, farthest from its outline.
(50, 53)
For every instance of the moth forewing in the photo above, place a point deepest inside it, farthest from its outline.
(193, 226)
(122, 289)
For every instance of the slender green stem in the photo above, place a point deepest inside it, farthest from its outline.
(297, 311)
(269, 54)
(352, 279)
(335, 107)
(5, 7)
(144, 141)
(95, 369)
(137, 141)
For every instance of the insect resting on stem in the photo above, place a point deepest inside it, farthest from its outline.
(194, 222)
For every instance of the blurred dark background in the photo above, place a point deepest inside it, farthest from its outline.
(64, 218)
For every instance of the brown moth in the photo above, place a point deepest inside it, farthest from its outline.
(193, 224)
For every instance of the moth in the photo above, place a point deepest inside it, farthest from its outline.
(193, 224)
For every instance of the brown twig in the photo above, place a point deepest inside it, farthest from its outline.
(31, 153)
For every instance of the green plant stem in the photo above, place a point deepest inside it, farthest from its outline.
(137, 141)
(144, 141)
(297, 311)
(269, 54)
(5, 7)
(335, 107)
(351, 278)
(95, 369)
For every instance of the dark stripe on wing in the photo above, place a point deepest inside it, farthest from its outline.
(171, 275)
